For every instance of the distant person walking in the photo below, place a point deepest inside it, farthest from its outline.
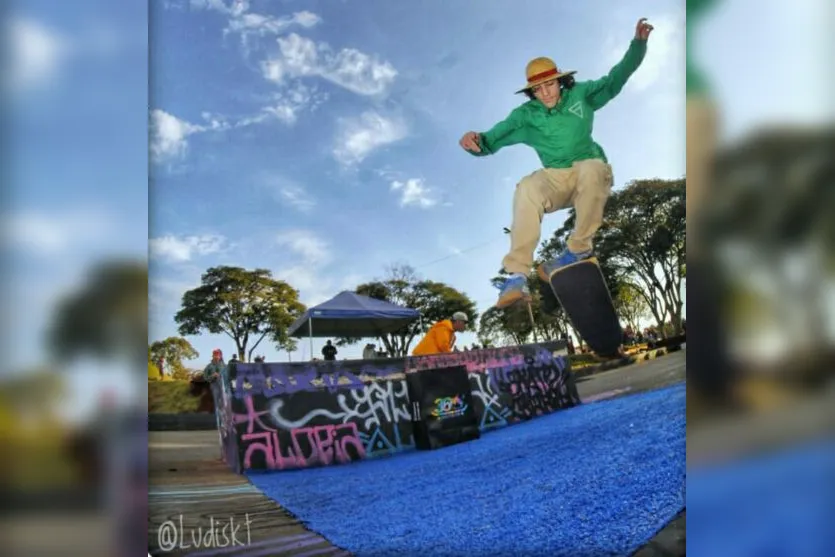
(329, 352)
(441, 336)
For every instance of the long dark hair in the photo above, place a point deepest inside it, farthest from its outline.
(566, 82)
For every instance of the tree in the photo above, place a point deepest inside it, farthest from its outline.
(777, 195)
(642, 241)
(434, 300)
(106, 317)
(247, 306)
(173, 350)
(513, 325)
(631, 305)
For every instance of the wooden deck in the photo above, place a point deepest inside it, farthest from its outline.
(190, 487)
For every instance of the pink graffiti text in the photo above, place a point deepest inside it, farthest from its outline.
(308, 446)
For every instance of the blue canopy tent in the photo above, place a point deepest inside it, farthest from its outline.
(351, 315)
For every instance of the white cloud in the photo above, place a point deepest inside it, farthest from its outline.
(169, 135)
(234, 7)
(414, 192)
(358, 137)
(286, 192)
(349, 68)
(287, 105)
(304, 243)
(179, 249)
(37, 54)
(307, 275)
(304, 278)
(315, 288)
(296, 197)
(40, 233)
(252, 25)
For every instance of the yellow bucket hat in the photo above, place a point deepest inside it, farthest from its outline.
(540, 70)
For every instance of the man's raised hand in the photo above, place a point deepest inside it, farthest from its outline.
(470, 142)
(643, 29)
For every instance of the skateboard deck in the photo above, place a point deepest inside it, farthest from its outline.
(582, 292)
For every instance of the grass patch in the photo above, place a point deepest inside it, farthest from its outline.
(171, 397)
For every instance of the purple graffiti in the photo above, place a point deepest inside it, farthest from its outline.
(298, 415)
(482, 360)
(536, 391)
(272, 380)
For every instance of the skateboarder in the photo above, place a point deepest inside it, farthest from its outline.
(557, 123)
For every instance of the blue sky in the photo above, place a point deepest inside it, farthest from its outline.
(78, 174)
(284, 138)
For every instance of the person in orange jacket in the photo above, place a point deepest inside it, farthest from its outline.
(441, 336)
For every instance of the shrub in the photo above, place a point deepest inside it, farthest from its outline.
(171, 397)
(153, 372)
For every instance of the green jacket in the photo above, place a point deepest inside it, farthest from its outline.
(562, 135)
(697, 82)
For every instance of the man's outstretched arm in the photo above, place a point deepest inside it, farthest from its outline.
(600, 91)
(505, 133)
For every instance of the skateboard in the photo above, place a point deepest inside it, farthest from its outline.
(582, 292)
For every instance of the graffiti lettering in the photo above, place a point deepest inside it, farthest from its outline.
(252, 417)
(286, 416)
(537, 390)
(494, 414)
(377, 406)
(307, 447)
(389, 401)
(374, 404)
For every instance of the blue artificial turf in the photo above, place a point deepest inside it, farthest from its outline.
(599, 479)
(775, 504)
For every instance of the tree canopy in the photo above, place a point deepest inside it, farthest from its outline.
(512, 325)
(631, 306)
(173, 350)
(434, 300)
(641, 243)
(106, 317)
(246, 305)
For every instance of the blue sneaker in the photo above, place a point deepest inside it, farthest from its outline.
(566, 258)
(515, 288)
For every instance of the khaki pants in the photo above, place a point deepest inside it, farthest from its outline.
(702, 130)
(585, 186)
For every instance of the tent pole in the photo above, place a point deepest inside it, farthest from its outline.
(310, 331)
